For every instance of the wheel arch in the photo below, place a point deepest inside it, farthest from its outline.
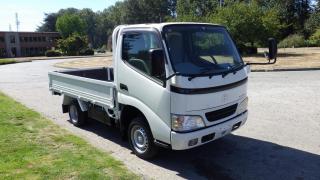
(128, 113)
(67, 101)
(160, 128)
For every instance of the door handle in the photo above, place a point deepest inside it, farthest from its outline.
(124, 87)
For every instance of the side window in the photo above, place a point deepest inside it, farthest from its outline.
(136, 51)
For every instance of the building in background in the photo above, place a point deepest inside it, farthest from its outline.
(22, 44)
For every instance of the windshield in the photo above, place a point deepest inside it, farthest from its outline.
(200, 49)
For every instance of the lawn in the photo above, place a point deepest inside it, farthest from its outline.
(32, 147)
(7, 61)
(289, 58)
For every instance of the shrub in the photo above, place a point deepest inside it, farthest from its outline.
(102, 49)
(53, 53)
(294, 40)
(314, 39)
(73, 44)
(87, 52)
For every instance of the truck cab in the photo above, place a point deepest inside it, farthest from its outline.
(174, 85)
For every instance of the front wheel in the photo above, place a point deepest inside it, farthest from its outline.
(141, 140)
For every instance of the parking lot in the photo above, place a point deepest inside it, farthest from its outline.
(281, 139)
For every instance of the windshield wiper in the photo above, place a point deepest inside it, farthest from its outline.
(234, 69)
(204, 73)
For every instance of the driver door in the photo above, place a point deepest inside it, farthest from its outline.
(137, 83)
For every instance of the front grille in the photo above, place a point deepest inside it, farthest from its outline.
(221, 113)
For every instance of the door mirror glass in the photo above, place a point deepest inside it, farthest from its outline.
(273, 48)
(157, 63)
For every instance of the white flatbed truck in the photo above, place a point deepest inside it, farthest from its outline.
(173, 85)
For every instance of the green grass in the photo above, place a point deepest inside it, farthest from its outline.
(7, 61)
(32, 147)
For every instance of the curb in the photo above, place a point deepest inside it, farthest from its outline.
(280, 70)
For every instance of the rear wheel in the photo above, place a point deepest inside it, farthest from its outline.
(77, 117)
(141, 140)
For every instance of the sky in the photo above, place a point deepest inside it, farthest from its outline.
(31, 12)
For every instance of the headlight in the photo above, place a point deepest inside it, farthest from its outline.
(243, 106)
(186, 123)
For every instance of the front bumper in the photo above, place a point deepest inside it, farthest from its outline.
(180, 141)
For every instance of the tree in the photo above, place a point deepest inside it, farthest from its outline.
(106, 22)
(50, 20)
(292, 14)
(303, 8)
(49, 24)
(73, 44)
(172, 7)
(248, 23)
(195, 10)
(317, 7)
(68, 24)
(313, 23)
(90, 19)
(144, 11)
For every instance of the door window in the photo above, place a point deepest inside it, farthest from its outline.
(135, 51)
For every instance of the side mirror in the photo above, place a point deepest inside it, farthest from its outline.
(273, 48)
(157, 63)
(271, 55)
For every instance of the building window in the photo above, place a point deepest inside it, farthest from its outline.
(27, 51)
(14, 52)
(34, 39)
(12, 39)
(25, 39)
(43, 39)
(1, 39)
(2, 52)
(21, 39)
(30, 39)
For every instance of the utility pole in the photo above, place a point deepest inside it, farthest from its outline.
(17, 22)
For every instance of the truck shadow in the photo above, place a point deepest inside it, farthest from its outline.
(232, 157)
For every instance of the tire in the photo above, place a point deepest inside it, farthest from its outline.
(141, 140)
(77, 117)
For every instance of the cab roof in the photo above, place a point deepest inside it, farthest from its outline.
(160, 26)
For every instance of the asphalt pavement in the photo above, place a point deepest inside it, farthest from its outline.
(281, 139)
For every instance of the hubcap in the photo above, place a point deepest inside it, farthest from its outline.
(73, 114)
(139, 139)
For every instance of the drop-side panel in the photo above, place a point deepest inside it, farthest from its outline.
(86, 89)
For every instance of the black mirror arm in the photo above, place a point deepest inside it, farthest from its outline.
(268, 63)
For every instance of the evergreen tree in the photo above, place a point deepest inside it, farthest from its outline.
(196, 10)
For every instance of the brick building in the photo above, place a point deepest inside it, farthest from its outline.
(21, 44)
